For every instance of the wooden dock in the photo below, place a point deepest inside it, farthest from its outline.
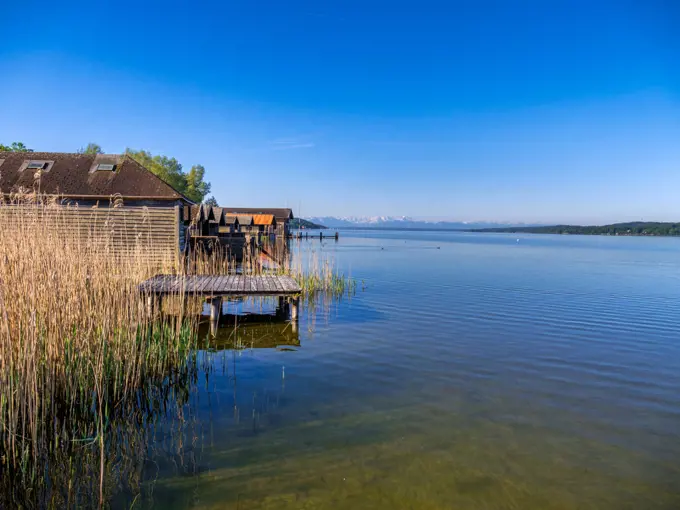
(231, 285)
(320, 236)
(214, 287)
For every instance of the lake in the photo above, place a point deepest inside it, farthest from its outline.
(469, 371)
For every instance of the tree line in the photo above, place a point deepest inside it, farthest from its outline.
(191, 184)
(635, 228)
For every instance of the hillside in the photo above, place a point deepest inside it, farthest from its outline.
(637, 228)
(298, 223)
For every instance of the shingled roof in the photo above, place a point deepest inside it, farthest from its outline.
(279, 214)
(80, 176)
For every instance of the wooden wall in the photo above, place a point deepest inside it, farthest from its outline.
(156, 234)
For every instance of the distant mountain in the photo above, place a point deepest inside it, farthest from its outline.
(306, 224)
(403, 222)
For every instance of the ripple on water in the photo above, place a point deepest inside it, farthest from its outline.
(480, 375)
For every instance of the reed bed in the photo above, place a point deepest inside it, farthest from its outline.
(80, 356)
(76, 343)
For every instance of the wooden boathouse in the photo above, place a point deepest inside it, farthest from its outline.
(281, 217)
(102, 197)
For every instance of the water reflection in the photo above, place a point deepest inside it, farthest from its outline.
(253, 331)
(110, 467)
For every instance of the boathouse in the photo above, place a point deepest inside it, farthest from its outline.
(103, 193)
(245, 223)
(230, 224)
(282, 216)
(202, 221)
(265, 223)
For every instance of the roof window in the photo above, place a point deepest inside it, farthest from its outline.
(41, 165)
(106, 167)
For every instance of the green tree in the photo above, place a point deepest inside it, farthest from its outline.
(197, 188)
(212, 201)
(15, 147)
(91, 148)
(170, 170)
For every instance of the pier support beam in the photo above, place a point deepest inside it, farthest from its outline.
(282, 308)
(294, 309)
(215, 314)
(294, 314)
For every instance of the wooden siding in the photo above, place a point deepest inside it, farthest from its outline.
(153, 233)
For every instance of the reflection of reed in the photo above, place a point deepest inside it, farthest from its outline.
(75, 469)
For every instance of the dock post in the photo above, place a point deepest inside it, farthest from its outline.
(215, 313)
(282, 309)
(295, 309)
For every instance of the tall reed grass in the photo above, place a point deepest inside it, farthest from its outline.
(76, 343)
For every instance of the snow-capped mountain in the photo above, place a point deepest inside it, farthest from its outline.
(352, 221)
(401, 222)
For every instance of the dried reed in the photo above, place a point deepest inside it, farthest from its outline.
(76, 344)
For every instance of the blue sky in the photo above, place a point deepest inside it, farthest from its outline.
(524, 110)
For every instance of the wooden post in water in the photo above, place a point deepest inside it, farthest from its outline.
(215, 313)
(295, 309)
(282, 309)
(294, 314)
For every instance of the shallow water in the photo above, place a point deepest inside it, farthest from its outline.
(469, 371)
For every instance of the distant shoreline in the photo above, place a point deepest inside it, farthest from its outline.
(614, 230)
(632, 229)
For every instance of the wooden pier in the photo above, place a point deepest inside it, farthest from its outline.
(320, 236)
(213, 288)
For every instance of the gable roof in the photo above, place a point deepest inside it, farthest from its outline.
(219, 214)
(76, 176)
(243, 219)
(283, 214)
(264, 219)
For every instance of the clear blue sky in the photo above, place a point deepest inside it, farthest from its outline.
(522, 110)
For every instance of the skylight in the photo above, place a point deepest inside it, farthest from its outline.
(36, 165)
(106, 167)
